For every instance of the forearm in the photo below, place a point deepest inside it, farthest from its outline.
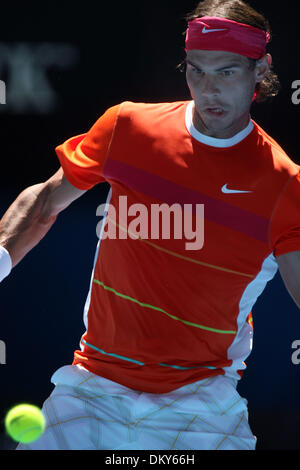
(26, 222)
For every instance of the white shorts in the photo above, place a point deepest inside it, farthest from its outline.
(88, 412)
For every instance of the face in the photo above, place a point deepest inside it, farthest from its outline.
(222, 86)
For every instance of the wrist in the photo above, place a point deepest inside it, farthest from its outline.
(5, 263)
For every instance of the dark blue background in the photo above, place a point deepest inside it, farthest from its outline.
(127, 52)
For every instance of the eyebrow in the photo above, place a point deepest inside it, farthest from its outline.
(233, 64)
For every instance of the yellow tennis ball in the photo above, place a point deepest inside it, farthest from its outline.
(25, 423)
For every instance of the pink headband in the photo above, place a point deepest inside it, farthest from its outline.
(219, 34)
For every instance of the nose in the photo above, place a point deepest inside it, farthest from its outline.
(209, 86)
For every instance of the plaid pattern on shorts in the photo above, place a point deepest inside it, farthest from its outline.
(88, 412)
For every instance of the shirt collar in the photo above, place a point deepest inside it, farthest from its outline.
(213, 141)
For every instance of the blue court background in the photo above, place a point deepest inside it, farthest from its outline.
(127, 52)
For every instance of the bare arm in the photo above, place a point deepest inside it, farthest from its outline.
(33, 213)
(289, 268)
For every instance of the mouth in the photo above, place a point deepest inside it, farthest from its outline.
(215, 111)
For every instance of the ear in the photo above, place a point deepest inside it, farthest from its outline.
(263, 66)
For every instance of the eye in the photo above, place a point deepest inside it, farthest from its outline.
(197, 71)
(227, 73)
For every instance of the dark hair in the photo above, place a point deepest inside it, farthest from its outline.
(241, 12)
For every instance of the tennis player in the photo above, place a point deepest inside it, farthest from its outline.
(168, 330)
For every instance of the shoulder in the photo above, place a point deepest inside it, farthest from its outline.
(152, 120)
(278, 157)
(131, 108)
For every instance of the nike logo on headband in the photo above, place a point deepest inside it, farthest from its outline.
(205, 31)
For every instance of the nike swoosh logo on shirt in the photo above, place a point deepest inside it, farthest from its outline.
(205, 31)
(225, 190)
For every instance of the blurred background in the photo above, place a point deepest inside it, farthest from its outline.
(64, 64)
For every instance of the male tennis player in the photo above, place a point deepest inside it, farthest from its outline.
(168, 329)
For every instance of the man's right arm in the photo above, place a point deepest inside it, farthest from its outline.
(33, 213)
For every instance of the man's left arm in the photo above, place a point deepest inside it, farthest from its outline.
(289, 268)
